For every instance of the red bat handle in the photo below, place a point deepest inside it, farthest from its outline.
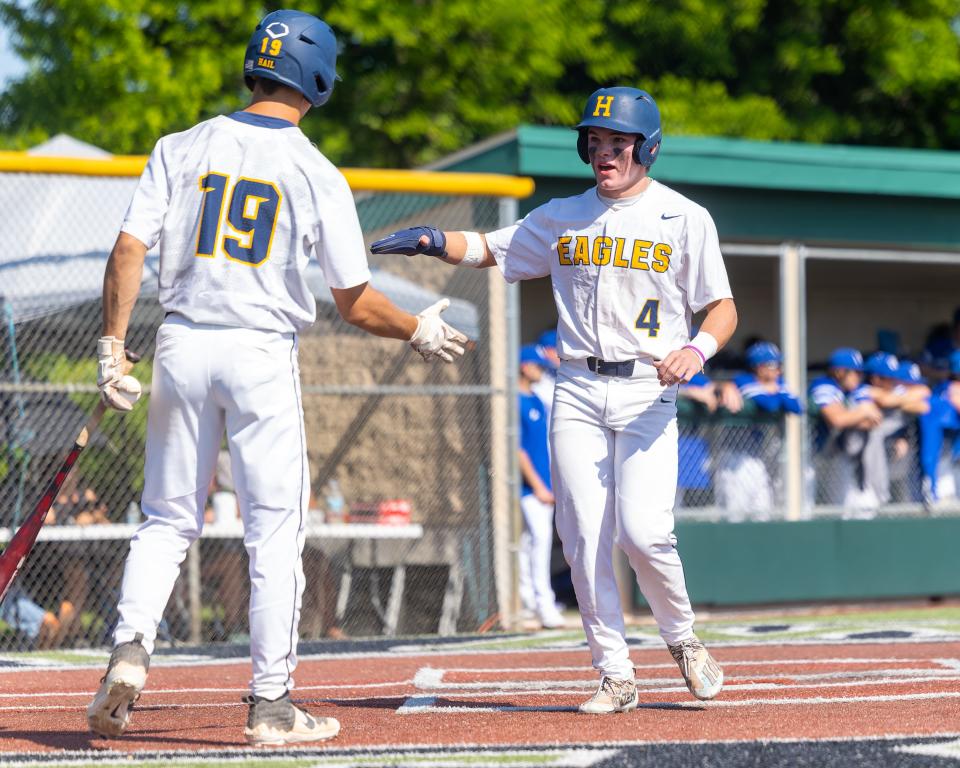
(22, 542)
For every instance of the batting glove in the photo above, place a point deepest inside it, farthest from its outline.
(434, 338)
(118, 391)
(407, 242)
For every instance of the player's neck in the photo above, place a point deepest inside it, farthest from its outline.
(523, 384)
(277, 106)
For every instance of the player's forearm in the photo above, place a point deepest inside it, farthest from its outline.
(458, 247)
(368, 309)
(121, 284)
(916, 400)
(721, 321)
(529, 474)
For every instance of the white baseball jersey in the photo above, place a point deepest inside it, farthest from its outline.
(627, 275)
(238, 212)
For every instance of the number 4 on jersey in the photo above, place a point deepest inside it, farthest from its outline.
(251, 215)
(649, 317)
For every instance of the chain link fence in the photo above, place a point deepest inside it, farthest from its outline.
(410, 521)
(404, 464)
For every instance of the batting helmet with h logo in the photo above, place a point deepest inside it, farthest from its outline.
(625, 110)
(296, 49)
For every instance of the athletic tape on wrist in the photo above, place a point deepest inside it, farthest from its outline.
(704, 344)
(476, 250)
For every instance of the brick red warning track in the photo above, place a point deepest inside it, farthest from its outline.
(524, 697)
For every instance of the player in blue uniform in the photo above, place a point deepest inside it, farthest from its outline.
(843, 403)
(536, 500)
(941, 423)
(743, 480)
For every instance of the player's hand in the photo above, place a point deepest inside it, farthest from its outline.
(434, 338)
(428, 240)
(730, 397)
(118, 390)
(679, 366)
(870, 414)
(544, 494)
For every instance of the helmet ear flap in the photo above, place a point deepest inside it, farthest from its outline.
(582, 145)
(645, 151)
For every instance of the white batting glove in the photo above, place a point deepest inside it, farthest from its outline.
(434, 338)
(117, 390)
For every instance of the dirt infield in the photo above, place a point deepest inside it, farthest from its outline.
(510, 697)
(857, 689)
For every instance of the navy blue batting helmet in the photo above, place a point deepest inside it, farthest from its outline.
(296, 49)
(626, 110)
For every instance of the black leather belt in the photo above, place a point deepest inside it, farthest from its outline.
(609, 368)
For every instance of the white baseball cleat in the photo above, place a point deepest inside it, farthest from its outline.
(703, 675)
(279, 722)
(109, 712)
(613, 695)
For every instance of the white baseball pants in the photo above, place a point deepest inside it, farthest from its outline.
(206, 379)
(536, 546)
(614, 443)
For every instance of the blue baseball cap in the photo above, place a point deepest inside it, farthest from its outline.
(548, 338)
(882, 364)
(846, 357)
(531, 353)
(909, 373)
(762, 352)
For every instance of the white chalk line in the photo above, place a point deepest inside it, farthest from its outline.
(431, 678)
(242, 691)
(877, 676)
(734, 663)
(576, 689)
(430, 708)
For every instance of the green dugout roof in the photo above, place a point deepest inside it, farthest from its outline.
(764, 191)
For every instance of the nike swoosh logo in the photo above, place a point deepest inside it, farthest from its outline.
(666, 218)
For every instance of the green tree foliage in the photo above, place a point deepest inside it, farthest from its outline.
(422, 78)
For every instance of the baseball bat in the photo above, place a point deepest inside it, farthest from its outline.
(13, 557)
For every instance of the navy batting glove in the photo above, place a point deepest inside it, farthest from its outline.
(407, 242)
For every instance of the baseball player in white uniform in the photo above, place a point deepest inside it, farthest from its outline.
(630, 261)
(238, 204)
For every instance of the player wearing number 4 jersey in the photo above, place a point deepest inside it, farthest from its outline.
(630, 261)
(238, 205)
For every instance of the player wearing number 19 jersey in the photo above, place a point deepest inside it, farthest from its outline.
(238, 206)
(630, 261)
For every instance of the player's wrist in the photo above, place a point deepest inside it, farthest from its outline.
(476, 249)
(704, 345)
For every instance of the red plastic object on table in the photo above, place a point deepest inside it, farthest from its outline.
(394, 512)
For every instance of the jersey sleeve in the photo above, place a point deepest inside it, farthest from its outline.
(522, 250)
(703, 276)
(790, 402)
(825, 393)
(339, 248)
(148, 208)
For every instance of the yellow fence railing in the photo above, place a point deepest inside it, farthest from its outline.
(367, 179)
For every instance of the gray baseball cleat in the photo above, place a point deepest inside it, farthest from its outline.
(613, 695)
(109, 712)
(278, 722)
(703, 675)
